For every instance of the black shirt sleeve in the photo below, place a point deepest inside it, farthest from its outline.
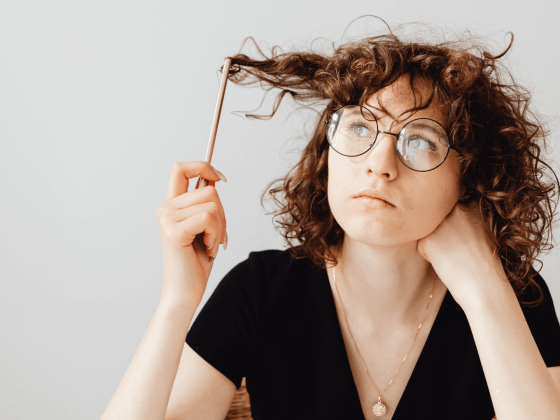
(224, 331)
(543, 323)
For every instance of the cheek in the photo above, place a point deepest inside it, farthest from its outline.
(430, 203)
(335, 195)
(338, 176)
(427, 199)
(339, 191)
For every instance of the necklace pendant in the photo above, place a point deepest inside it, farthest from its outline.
(379, 408)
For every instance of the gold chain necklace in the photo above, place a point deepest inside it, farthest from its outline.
(379, 408)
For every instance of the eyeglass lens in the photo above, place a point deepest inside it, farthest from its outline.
(422, 143)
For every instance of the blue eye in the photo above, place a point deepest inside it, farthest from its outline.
(359, 129)
(415, 142)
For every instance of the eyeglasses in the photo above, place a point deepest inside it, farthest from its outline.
(422, 144)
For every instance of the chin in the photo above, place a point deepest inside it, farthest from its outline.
(376, 237)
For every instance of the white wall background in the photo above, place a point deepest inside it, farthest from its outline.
(97, 101)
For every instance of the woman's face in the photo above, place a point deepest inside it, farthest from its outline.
(421, 199)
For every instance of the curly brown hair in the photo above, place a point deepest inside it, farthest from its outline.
(489, 123)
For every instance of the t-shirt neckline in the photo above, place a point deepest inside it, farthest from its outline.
(422, 359)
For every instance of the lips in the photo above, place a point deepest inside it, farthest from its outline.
(376, 199)
(371, 193)
(374, 193)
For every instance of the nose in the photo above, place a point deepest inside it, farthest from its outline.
(392, 140)
(383, 155)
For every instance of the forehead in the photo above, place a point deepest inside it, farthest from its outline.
(395, 102)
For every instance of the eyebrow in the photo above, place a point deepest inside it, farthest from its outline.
(377, 109)
(432, 129)
(384, 111)
(420, 125)
(358, 112)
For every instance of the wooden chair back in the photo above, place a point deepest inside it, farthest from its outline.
(240, 408)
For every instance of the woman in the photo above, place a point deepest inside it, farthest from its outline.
(418, 210)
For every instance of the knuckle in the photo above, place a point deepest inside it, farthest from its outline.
(208, 218)
(176, 167)
(214, 207)
(161, 212)
(211, 193)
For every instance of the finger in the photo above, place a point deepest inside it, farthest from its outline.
(194, 197)
(215, 209)
(179, 214)
(200, 223)
(181, 172)
(420, 246)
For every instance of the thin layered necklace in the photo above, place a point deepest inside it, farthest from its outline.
(379, 407)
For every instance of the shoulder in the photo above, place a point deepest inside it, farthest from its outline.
(263, 264)
(268, 272)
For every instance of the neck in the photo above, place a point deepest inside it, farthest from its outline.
(384, 289)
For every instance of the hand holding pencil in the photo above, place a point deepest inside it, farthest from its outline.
(192, 223)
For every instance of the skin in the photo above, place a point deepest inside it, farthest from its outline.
(387, 263)
(383, 280)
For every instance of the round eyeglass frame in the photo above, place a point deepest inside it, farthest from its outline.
(449, 146)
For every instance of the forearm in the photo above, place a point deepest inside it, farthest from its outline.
(520, 385)
(144, 391)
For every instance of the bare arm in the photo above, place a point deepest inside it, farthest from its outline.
(144, 391)
(520, 384)
(192, 225)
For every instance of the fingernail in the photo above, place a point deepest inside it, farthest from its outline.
(221, 175)
(225, 243)
(210, 246)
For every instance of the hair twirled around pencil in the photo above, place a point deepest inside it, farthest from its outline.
(489, 121)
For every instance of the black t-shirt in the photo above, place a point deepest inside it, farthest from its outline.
(273, 320)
